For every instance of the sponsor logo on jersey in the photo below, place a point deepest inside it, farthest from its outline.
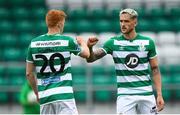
(50, 80)
(142, 47)
(52, 43)
(132, 60)
(49, 43)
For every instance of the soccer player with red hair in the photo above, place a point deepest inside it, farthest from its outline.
(50, 55)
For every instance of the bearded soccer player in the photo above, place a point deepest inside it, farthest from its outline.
(49, 55)
(132, 54)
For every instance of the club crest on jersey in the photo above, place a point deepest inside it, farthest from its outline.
(142, 47)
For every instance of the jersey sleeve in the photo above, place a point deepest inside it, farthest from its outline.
(107, 47)
(74, 47)
(29, 57)
(152, 50)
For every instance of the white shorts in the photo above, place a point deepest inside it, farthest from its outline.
(59, 107)
(136, 104)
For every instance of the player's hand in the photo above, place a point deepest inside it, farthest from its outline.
(92, 41)
(160, 103)
(79, 40)
(31, 97)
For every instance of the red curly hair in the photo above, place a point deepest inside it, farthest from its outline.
(54, 16)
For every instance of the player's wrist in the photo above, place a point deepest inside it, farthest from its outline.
(159, 94)
(90, 47)
(82, 43)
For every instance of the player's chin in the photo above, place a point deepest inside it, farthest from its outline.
(124, 31)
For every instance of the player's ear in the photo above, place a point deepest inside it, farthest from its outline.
(58, 25)
(135, 22)
(61, 24)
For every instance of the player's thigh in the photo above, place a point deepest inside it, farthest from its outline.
(126, 105)
(60, 107)
(147, 105)
(68, 107)
(47, 109)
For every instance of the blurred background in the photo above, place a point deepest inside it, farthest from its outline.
(94, 84)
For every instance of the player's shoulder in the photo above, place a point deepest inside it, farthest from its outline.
(38, 38)
(143, 37)
(45, 37)
(117, 37)
(112, 39)
(67, 37)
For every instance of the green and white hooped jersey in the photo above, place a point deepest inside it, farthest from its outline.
(131, 58)
(51, 57)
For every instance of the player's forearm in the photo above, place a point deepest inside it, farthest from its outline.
(157, 80)
(32, 81)
(85, 50)
(92, 56)
(95, 55)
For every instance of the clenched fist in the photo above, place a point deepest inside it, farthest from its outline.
(92, 41)
(79, 40)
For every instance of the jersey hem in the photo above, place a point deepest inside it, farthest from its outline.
(140, 94)
(57, 101)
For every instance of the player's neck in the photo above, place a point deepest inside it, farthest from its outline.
(54, 30)
(130, 35)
